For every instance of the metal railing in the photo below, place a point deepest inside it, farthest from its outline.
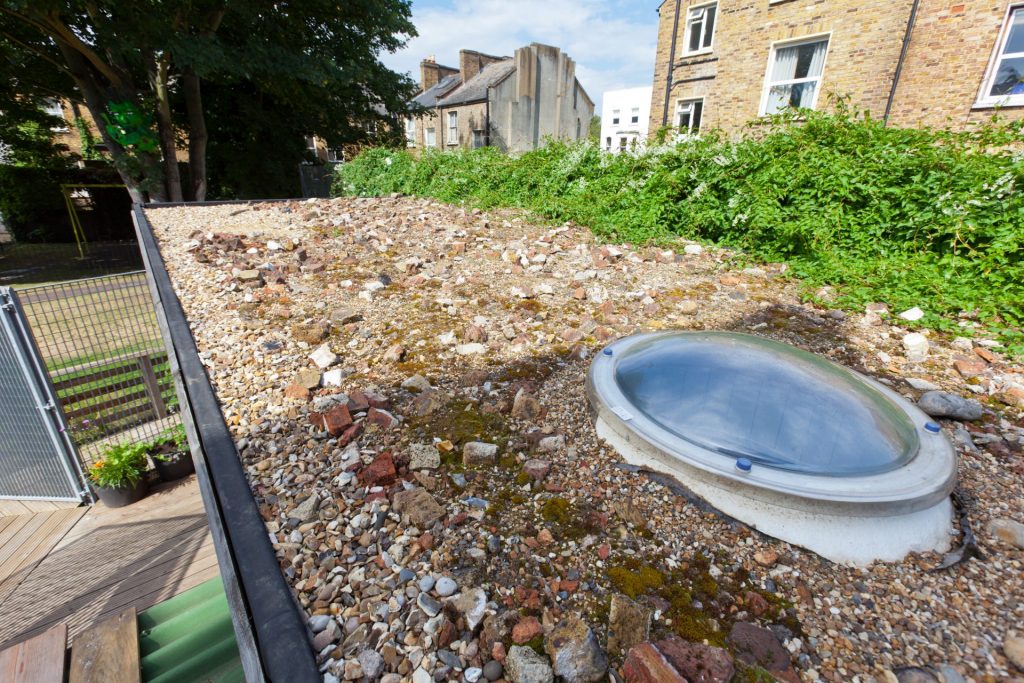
(102, 348)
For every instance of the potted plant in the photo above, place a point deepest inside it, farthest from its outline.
(171, 455)
(118, 477)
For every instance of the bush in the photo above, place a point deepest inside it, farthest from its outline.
(121, 465)
(905, 216)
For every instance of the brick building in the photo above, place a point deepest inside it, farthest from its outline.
(944, 63)
(513, 103)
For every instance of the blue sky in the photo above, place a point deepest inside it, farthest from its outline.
(612, 41)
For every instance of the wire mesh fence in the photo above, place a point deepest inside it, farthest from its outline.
(29, 263)
(102, 348)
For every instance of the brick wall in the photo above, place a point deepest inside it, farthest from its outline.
(946, 63)
(949, 52)
(864, 45)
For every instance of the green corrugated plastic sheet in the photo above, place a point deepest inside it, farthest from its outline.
(190, 639)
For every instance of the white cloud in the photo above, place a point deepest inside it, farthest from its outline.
(612, 43)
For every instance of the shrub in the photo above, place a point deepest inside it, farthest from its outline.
(909, 217)
(121, 465)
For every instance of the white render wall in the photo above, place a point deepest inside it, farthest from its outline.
(625, 101)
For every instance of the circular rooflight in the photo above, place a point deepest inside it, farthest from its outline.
(784, 440)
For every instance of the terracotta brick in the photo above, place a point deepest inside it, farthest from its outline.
(337, 420)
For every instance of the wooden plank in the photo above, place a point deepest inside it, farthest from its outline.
(152, 387)
(129, 396)
(23, 559)
(27, 506)
(37, 660)
(23, 534)
(155, 354)
(107, 652)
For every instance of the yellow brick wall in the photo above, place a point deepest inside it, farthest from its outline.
(864, 46)
(471, 117)
(949, 53)
(950, 49)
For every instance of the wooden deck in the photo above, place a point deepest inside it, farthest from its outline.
(102, 561)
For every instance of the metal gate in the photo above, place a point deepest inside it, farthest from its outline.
(37, 459)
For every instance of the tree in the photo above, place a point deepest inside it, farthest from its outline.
(594, 133)
(141, 66)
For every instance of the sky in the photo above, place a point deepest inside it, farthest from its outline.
(612, 41)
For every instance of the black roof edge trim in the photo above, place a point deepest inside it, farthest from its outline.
(273, 638)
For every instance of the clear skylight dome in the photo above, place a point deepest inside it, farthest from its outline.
(778, 406)
(793, 444)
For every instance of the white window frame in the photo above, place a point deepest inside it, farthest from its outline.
(986, 101)
(453, 127)
(689, 131)
(427, 133)
(410, 132)
(703, 26)
(480, 136)
(616, 115)
(766, 88)
(634, 115)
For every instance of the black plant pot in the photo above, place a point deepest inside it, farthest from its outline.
(119, 496)
(176, 466)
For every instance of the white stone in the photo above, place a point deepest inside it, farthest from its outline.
(912, 314)
(333, 378)
(323, 357)
(915, 346)
(273, 246)
(693, 249)
(470, 349)
(921, 384)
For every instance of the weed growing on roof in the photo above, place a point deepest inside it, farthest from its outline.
(909, 217)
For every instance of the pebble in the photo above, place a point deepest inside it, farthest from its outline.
(912, 314)
(445, 587)
(1007, 531)
(352, 558)
(428, 604)
(945, 404)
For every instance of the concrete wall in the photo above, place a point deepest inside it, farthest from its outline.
(541, 99)
(624, 101)
(946, 63)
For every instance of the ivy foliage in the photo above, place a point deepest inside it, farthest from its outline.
(909, 217)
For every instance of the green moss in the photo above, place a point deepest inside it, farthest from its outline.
(508, 461)
(461, 422)
(753, 674)
(536, 644)
(522, 479)
(555, 510)
(635, 579)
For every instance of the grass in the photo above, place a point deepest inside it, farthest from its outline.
(908, 217)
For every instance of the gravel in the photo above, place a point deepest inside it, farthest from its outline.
(410, 290)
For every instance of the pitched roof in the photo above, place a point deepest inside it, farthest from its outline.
(475, 89)
(430, 96)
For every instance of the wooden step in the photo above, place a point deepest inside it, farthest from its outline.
(107, 652)
(36, 660)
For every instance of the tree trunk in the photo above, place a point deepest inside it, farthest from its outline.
(172, 178)
(198, 136)
(139, 181)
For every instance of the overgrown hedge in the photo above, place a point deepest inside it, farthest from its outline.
(910, 217)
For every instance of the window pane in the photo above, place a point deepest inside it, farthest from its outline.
(799, 61)
(709, 24)
(696, 22)
(1009, 79)
(698, 109)
(1015, 42)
